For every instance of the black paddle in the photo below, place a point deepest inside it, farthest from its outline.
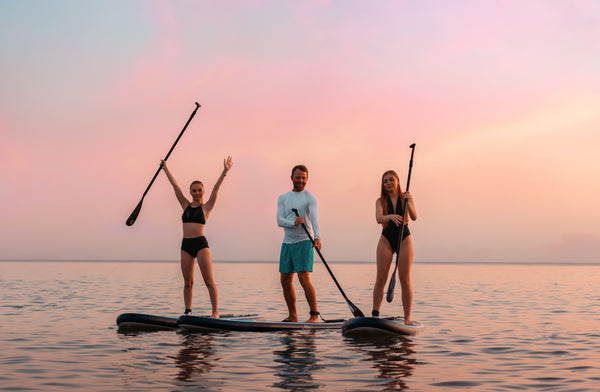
(390, 292)
(136, 211)
(355, 311)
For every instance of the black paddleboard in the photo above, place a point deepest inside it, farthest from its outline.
(209, 324)
(138, 321)
(146, 321)
(374, 326)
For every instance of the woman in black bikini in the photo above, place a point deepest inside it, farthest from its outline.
(388, 213)
(194, 244)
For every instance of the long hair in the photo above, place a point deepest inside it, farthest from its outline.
(384, 194)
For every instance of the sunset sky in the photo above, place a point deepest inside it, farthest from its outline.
(501, 98)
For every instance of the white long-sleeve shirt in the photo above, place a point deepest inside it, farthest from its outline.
(306, 204)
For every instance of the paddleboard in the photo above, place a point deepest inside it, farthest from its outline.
(374, 326)
(146, 321)
(209, 324)
(140, 321)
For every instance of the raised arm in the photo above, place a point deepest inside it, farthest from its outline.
(178, 193)
(210, 204)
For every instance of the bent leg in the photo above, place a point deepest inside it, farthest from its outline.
(310, 294)
(205, 263)
(187, 270)
(289, 294)
(384, 260)
(405, 258)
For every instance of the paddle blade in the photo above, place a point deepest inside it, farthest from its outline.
(390, 292)
(134, 214)
(356, 312)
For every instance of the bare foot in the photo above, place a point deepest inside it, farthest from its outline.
(313, 319)
(408, 322)
(290, 319)
(215, 315)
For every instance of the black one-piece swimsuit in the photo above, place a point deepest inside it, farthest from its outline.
(392, 232)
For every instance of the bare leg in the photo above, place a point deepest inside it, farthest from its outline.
(309, 293)
(289, 294)
(187, 270)
(384, 260)
(405, 258)
(205, 263)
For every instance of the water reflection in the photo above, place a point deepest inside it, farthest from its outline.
(296, 361)
(196, 358)
(392, 356)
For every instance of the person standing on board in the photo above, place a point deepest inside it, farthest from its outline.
(388, 213)
(194, 244)
(297, 254)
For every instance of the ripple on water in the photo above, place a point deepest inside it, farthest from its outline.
(457, 384)
(68, 341)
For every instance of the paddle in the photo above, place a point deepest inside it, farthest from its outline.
(355, 311)
(390, 292)
(136, 211)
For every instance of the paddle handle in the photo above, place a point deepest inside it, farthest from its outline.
(172, 147)
(132, 218)
(390, 292)
(183, 130)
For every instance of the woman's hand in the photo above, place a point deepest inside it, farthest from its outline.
(397, 219)
(227, 163)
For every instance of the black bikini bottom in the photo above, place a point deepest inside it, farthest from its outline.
(193, 245)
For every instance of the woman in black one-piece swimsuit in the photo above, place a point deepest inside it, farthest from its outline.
(388, 213)
(194, 244)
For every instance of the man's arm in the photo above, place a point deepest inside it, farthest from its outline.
(281, 213)
(313, 212)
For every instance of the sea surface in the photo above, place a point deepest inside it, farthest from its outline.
(487, 328)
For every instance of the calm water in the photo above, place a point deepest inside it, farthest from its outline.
(488, 328)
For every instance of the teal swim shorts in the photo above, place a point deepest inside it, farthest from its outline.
(296, 257)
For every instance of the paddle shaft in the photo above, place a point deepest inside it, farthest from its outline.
(390, 292)
(355, 310)
(132, 218)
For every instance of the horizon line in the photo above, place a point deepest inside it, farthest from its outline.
(582, 263)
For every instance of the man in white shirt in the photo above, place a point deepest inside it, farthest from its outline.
(296, 250)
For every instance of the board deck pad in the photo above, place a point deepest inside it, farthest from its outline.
(209, 324)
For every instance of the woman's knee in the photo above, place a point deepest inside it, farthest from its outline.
(380, 280)
(210, 284)
(404, 281)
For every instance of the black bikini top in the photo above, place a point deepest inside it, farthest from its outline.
(193, 214)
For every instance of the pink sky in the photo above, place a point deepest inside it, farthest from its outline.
(502, 101)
